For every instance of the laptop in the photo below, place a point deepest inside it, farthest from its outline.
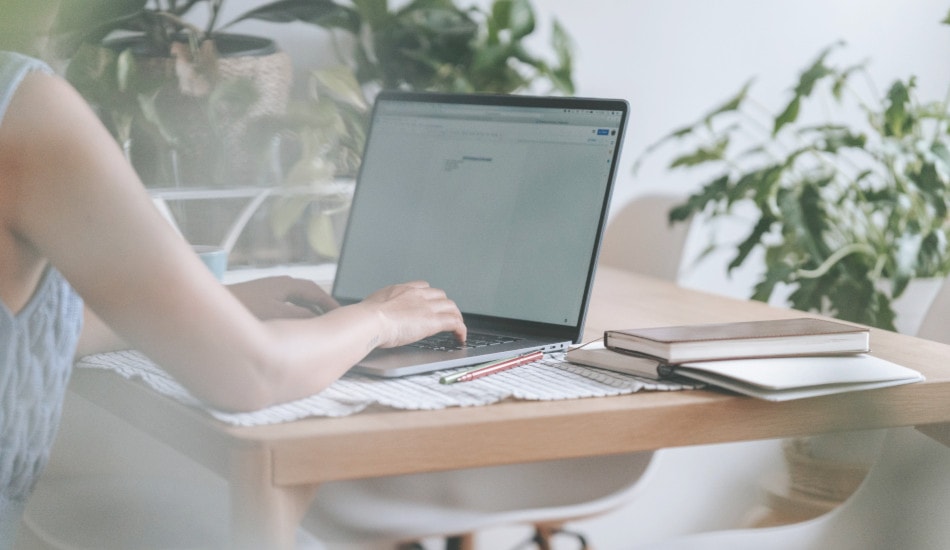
(500, 200)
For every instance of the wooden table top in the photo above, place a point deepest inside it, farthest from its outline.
(385, 442)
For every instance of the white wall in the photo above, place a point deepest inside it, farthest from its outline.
(675, 59)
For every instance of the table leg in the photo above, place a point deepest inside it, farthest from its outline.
(937, 432)
(264, 515)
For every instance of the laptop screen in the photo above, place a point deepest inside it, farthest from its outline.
(498, 200)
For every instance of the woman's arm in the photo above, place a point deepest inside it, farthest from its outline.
(96, 336)
(80, 204)
(283, 297)
(277, 297)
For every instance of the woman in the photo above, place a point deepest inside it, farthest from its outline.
(87, 265)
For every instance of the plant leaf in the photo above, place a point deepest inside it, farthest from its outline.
(932, 256)
(521, 19)
(775, 274)
(501, 15)
(757, 185)
(561, 75)
(702, 155)
(809, 293)
(788, 115)
(711, 192)
(806, 85)
(341, 85)
(751, 241)
(323, 13)
(809, 78)
(897, 117)
(125, 69)
(834, 138)
(321, 236)
(153, 115)
(563, 46)
(805, 218)
(859, 301)
(285, 213)
(676, 134)
(841, 80)
(90, 21)
(732, 104)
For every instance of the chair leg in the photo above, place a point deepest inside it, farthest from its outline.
(460, 542)
(544, 533)
(541, 540)
(454, 542)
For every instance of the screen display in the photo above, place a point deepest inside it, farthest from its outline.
(499, 205)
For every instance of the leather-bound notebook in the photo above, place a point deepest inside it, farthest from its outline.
(595, 354)
(771, 338)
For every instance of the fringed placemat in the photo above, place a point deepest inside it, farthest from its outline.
(552, 378)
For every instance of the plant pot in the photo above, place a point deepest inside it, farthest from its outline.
(214, 142)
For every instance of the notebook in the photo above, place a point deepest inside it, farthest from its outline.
(500, 200)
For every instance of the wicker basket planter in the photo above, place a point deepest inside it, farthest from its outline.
(214, 142)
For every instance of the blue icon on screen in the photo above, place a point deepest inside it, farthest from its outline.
(603, 132)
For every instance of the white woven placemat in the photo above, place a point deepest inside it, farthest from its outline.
(550, 379)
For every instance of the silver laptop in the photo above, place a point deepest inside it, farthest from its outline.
(499, 200)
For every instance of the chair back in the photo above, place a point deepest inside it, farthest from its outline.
(639, 237)
(936, 322)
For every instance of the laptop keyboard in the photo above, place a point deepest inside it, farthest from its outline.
(445, 341)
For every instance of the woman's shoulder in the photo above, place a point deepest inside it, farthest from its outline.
(12, 63)
(13, 69)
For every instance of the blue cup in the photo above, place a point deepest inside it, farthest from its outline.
(215, 257)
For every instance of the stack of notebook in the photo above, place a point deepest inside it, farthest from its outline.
(775, 360)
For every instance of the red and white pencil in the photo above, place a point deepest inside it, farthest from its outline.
(492, 368)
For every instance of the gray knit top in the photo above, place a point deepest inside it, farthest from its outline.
(36, 353)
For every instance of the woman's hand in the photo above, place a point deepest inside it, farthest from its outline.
(283, 297)
(412, 311)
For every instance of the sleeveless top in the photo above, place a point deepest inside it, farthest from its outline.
(36, 355)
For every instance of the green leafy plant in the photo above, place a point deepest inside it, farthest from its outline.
(846, 214)
(437, 44)
(432, 45)
(423, 45)
(161, 85)
(328, 126)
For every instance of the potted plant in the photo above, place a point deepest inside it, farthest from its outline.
(433, 45)
(179, 98)
(189, 104)
(847, 214)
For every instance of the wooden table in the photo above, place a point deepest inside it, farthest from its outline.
(275, 470)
